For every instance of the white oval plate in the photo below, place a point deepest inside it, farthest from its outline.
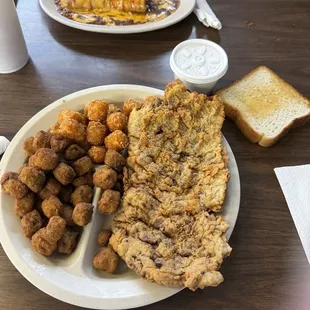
(186, 7)
(72, 279)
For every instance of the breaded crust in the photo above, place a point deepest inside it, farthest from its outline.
(175, 179)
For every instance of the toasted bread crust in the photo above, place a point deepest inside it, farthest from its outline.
(236, 115)
(267, 142)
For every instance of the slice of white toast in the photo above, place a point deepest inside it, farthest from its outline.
(264, 106)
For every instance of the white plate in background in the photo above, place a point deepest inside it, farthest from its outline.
(186, 7)
(72, 279)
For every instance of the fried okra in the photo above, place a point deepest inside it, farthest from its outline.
(105, 177)
(96, 110)
(67, 214)
(114, 160)
(82, 213)
(74, 152)
(60, 143)
(65, 114)
(12, 185)
(97, 154)
(109, 202)
(45, 159)
(64, 173)
(52, 206)
(96, 133)
(31, 223)
(24, 205)
(104, 237)
(42, 140)
(83, 165)
(31, 161)
(113, 108)
(65, 193)
(83, 193)
(86, 179)
(51, 188)
(84, 145)
(106, 260)
(116, 141)
(67, 243)
(69, 128)
(129, 105)
(28, 146)
(117, 121)
(119, 187)
(56, 227)
(33, 177)
(44, 241)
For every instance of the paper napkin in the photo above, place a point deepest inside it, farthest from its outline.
(295, 184)
(206, 15)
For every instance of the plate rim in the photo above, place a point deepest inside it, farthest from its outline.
(42, 283)
(185, 9)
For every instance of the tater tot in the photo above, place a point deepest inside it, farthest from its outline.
(117, 121)
(129, 105)
(52, 206)
(106, 260)
(67, 243)
(24, 205)
(65, 193)
(82, 193)
(60, 143)
(86, 179)
(69, 128)
(70, 114)
(116, 141)
(109, 202)
(42, 140)
(33, 177)
(105, 177)
(31, 223)
(114, 160)
(64, 173)
(45, 159)
(96, 110)
(28, 146)
(12, 185)
(97, 154)
(74, 152)
(67, 214)
(82, 166)
(96, 133)
(103, 237)
(82, 213)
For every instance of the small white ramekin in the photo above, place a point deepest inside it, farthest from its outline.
(199, 64)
